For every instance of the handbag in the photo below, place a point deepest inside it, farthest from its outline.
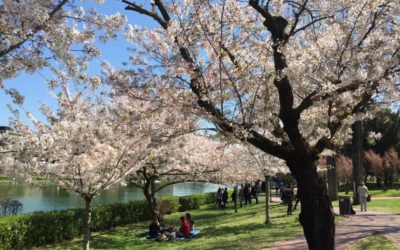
(369, 198)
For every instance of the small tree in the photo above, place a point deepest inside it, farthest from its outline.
(178, 160)
(86, 146)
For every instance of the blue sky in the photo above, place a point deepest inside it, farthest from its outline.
(33, 87)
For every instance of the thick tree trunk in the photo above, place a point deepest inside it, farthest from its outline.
(267, 191)
(357, 157)
(88, 221)
(316, 215)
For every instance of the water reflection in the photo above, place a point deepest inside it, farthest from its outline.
(50, 197)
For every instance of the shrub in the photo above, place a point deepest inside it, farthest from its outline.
(40, 228)
(195, 201)
(168, 205)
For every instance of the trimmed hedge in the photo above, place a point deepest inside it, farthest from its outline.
(41, 228)
(192, 202)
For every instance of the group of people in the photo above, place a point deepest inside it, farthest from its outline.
(251, 191)
(222, 197)
(158, 233)
(246, 193)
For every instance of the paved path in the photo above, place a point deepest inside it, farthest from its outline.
(353, 229)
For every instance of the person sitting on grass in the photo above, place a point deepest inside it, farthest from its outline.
(184, 230)
(154, 229)
(190, 221)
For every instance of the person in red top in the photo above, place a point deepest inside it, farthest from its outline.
(184, 231)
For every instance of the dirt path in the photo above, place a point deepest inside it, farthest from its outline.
(353, 229)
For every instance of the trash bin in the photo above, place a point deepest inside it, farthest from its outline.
(344, 205)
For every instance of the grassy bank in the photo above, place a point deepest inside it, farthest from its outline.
(220, 229)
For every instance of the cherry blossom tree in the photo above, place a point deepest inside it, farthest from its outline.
(284, 76)
(50, 34)
(177, 160)
(344, 170)
(88, 145)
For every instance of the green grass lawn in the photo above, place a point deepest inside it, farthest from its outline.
(374, 242)
(378, 193)
(389, 206)
(220, 229)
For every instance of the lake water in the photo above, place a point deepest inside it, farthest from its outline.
(50, 197)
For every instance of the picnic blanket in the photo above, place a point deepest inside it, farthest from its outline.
(193, 234)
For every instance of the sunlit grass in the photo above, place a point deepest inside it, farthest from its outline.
(220, 229)
(374, 242)
(378, 193)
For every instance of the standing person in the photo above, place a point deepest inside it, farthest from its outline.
(245, 193)
(218, 198)
(249, 193)
(297, 197)
(276, 188)
(363, 194)
(241, 194)
(255, 191)
(234, 196)
(222, 203)
(281, 189)
(225, 197)
(289, 194)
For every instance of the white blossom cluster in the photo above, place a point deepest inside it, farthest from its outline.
(338, 53)
(43, 33)
(86, 146)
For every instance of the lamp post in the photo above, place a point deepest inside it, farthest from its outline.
(267, 175)
(267, 219)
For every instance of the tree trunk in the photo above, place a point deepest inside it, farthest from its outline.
(357, 157)
(151, 202)
(236, 199)
(316, 214)
(241, 194)
(88, 221)
(267, 219)
(332, 178)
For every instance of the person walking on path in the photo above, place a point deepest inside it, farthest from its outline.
(289, 194)
(363, 194)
